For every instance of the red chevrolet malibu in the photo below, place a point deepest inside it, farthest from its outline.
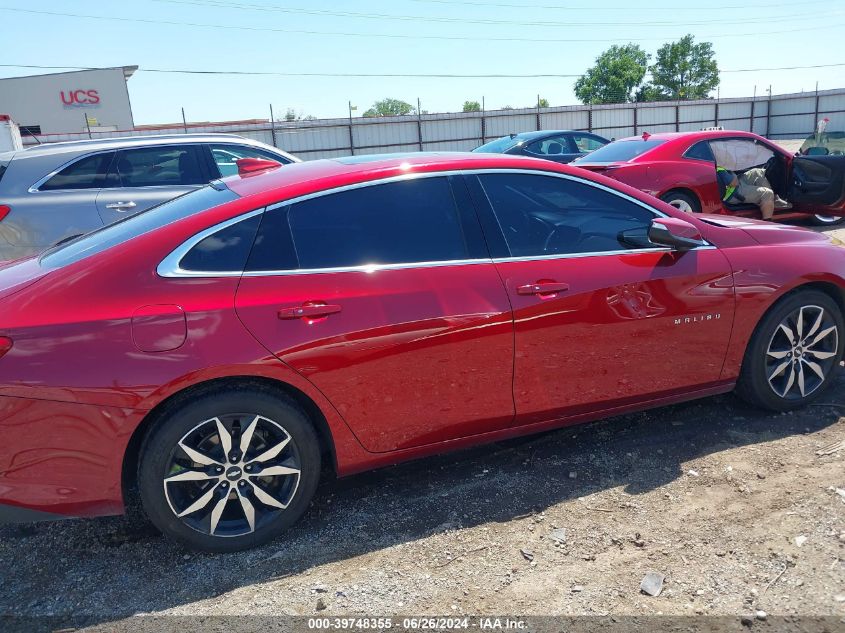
(680, 169)
(214, 351)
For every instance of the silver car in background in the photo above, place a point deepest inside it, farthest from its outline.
(52, 192)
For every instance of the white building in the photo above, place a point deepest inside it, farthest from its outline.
(69, 102)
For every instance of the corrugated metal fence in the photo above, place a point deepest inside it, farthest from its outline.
(776, 117)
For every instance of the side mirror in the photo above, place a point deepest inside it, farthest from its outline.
(675, 233)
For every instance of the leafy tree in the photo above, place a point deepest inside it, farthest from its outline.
(543, 103)
(390, 107)
(472, 106)
(683, 70)
(290, 115)
(618, 71)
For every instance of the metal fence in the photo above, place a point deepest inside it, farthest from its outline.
(773, 116)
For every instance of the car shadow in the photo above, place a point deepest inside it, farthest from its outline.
(95, 571)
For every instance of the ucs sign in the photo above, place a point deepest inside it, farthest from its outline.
(80, 98)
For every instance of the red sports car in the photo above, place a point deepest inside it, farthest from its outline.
(680, 169)
(215, 350)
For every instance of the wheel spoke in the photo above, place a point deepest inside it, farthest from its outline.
(276, 470)
(799, 326)
(779, 369)
(217, 512)
(778, 354)
(198, 457)
(199, 503)
(821, 355)
(801, 386)
(265, 498)
(816, 325)
(790, 381)
(249, 511)
(815, 367)
(273, 451)
(191, 475)
(788, 333)
(225, 437)
(821, 335)
(246, 436)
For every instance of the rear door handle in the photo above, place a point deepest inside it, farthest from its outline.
(542, 288)
(121, 206)
(308, 311)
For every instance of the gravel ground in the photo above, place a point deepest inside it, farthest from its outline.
(740, 510)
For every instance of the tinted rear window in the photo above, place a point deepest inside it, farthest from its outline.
(86, 173)
(144, 222)
(621, 151)
(498, 146)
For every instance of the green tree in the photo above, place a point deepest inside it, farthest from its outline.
(390, 107)
(543, 103)
(617, 73)
(683, 70)
(472, 106)
(291, 115)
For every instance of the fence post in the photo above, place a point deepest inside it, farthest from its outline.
(678, 117)
(816, 115)
(590, 118)
(717, 107)
(483, 122)
(753, 102)
(636, 108)
(419, 124)
(88, 125)
(184, 121)
(768, 111)
(351, 138)
(539, 127)
(273, 126)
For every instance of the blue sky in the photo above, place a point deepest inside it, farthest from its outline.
(745, 34)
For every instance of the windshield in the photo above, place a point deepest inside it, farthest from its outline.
(824, 144)
(499, 146)
(620, 151)
(144, 222)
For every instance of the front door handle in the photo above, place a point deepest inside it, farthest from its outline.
(542, 288)
(309, 311)
(121, 206)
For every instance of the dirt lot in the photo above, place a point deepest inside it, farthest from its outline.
(741, 510)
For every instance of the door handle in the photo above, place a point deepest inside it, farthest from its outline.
(309, 311)
(542, 288)
(121, 206)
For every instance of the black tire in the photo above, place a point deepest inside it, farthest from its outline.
(763, 357)
(826, 220)
(681, 201)
(278, 421)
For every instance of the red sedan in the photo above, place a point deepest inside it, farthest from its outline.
(215, 351)
(680, 169)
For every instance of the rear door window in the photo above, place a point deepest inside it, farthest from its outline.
(168, 165)
(553, 146)
(412, 221)
(86, 173)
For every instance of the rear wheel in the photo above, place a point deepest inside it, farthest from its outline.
(793, 352)
(682, 201)
(827, 220)
(229, 470)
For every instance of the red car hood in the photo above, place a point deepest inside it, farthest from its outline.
(764, 232)
(17, 275)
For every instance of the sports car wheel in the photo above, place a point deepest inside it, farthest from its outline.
(827, 220)
(682, 201)
(793, 352)
(230, 470)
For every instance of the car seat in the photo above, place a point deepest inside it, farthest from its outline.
(554, 148)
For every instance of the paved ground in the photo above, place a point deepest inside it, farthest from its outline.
(740, 510)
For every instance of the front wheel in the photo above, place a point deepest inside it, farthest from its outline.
(793, 352)
(229, 470)
(682, 201)
(827, 220)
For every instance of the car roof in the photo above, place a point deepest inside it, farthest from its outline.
(527, 136)
(290, 181)
(700, 135)
(120, 142)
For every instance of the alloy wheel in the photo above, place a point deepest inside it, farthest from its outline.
(681, 205)
(801, 352)
(827, 219)
(231, 474)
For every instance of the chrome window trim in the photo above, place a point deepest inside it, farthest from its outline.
(169, 266)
